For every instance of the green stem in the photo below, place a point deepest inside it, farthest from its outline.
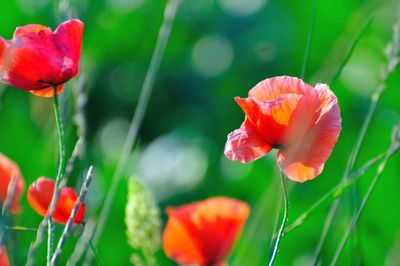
(59, 176)
(281, 231)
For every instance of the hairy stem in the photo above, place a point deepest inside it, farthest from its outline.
(281, 231)
(48, 221)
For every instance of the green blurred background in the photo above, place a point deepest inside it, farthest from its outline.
(218, 49)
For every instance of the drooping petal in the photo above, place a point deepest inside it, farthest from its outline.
(245, 145)
(40, 194)
(8, 170)
(209, 227)
(270, 89)
(47, 92)
(305, 159)
(4, 261)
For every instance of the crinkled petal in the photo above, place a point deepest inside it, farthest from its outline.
(305, 159)
(271, 88)
(245, 145)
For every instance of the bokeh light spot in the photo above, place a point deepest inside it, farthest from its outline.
(242, 7)
(212, 55)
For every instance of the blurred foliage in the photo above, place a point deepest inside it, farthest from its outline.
(218, 49)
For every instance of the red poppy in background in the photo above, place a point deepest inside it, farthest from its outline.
(204, 232)
(40, 194)
(285, 113)
(4, 257)
(8, 169)
(37, 59)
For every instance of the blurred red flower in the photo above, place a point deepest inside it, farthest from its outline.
(3, 257)
(8, 169)
(287, 114)
(204, 232)
(37, 59)
(40, 194)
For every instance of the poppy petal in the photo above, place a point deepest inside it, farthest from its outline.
(40, 194)
(68, 37)
(272, 88)
(8, 169)
(210, 227)
(31, 29)
(47, 92)
(4, 257)
(178, 242)
(305, 159)
(245, 145)
(270, 118)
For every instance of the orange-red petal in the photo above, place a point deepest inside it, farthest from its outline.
(4, 261)
(8, 169)
(40, 194)
(204, 232)
(305, 159)
(36, 58)
(270, 119)
(270, 89)
(47, 92)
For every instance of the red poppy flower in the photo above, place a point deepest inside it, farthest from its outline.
(287, 114)
(4, 257)
(37, 59)
(40, 194)
(8, 169)
(204, 232)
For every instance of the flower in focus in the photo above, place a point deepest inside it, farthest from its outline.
(4, 257)
(204, 232)
(285, 113)
(40, 194)
(8, 170)
(37, 59)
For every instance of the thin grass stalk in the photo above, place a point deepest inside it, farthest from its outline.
(395, 145)
(163, 37)
(309, 38)
(68, 226)
(281, 231)
(392, 62)
(47, 221)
